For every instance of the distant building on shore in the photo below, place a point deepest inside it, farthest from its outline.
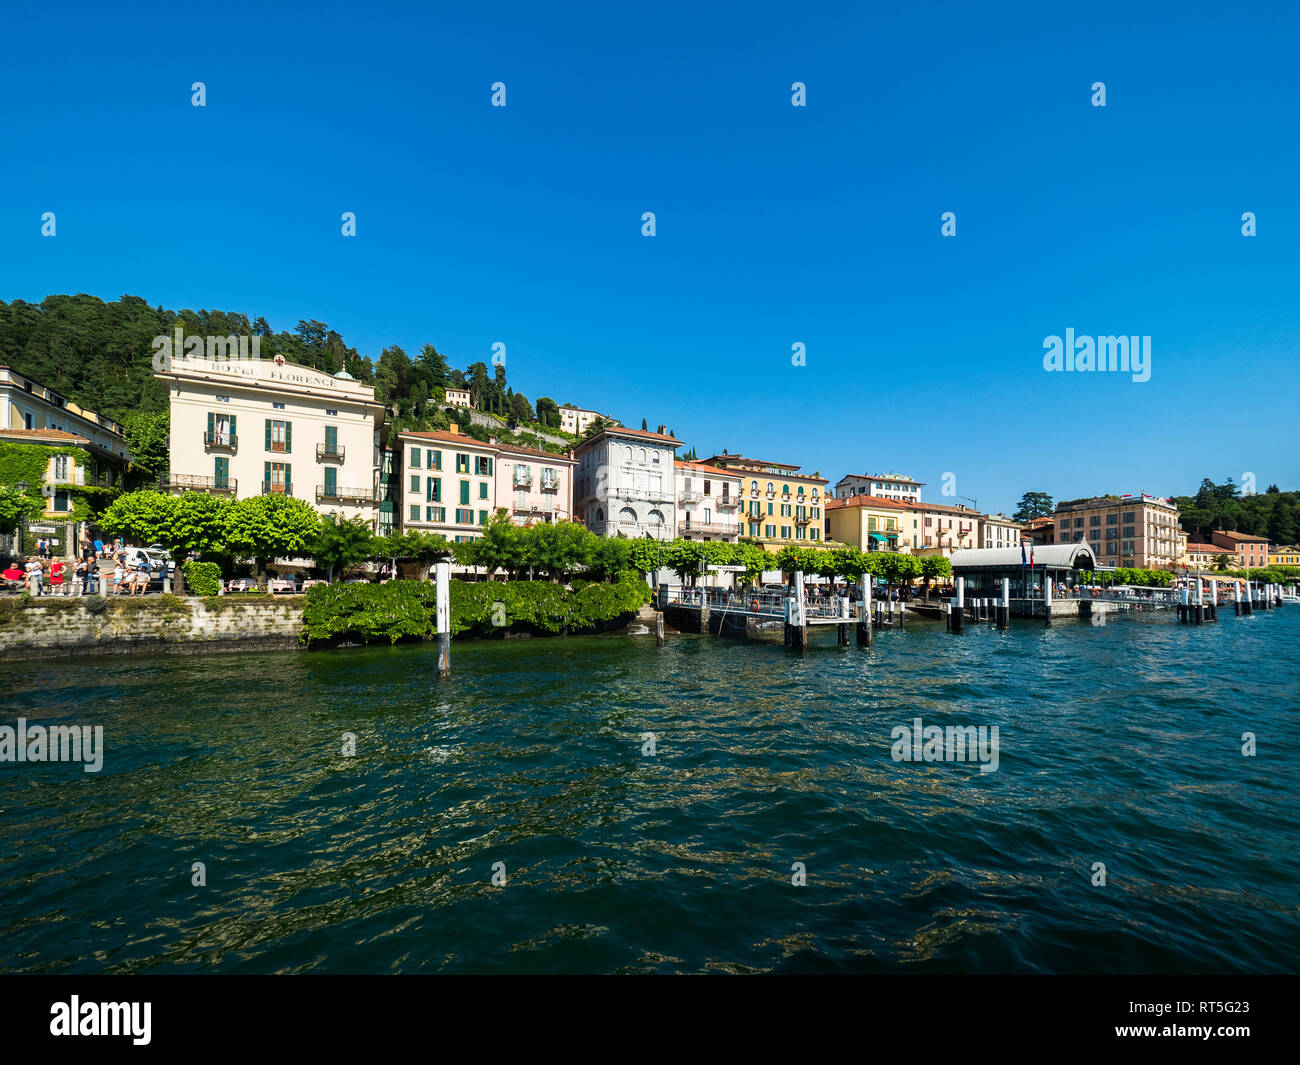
(625, 483)
(1039, 531)
(458, 397)
(68, 448)
(451, 484)
(880, 486)
(940, 529)
(868, 523)
(708, 499)
(779, 505)
(577, 421)
(997, 530)
(1133, 531)
(1284, 555)
(247, 427)
(1202, 556)
(1248, 552)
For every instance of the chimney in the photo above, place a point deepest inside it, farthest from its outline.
(454, 429)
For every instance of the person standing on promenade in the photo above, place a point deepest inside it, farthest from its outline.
(56, 578)
(79, 572)
(34, 577)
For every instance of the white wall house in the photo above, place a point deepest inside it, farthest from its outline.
(575, 420)
(458, 397)
(625, 483)
(246, 427)
(997, 530)
(708, 499)
(879, 486)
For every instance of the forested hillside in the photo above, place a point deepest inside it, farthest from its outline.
(101, 355)
(1272, 513)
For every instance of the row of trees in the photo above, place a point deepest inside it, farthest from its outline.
(1144, 578)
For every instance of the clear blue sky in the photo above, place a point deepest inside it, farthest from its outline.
(775, 224)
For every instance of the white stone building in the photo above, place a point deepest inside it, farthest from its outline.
(575, 420)
(708, 499)
(997, 530)
(879, 486)
(625, 484)
(458, 397)
(244, 427)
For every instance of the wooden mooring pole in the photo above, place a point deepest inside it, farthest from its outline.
(864, 617)
(442, 600)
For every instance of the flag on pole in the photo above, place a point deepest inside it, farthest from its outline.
(1031, 556)
(1022, 553)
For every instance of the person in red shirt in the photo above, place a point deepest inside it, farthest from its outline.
(56, 578)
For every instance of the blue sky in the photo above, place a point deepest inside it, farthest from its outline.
(775, 224)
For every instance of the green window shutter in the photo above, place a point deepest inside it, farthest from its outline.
(232, 425)
(288, 437)
(331, 438)
(268, 438)
(482, 517)
(482, 490)
(489, 465)
(464, 492)
(212, 424)
(266, 469)
(437, 489)
(331, 479)
(437, 455)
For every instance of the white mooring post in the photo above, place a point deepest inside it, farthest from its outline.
(443, 617)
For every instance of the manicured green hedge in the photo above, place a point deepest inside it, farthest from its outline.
(202, 578)
(405, 610)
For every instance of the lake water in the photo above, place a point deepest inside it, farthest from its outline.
(1118, 744)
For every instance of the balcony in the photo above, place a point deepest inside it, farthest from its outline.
(802, 521)
(725, 502)
(277, 488)
(522, 481)
(333, 493)
(690, 497)
(550, 484)
(194, 483)
(708, 528)
(326, 453)
(225, 441)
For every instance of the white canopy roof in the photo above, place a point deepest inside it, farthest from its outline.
(1057, 556)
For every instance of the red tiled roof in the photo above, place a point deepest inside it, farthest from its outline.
(518, 449)
(449, 438)
(704, 467)
(640, 434)
(867, 501)
(44, 434)
(1243, 537)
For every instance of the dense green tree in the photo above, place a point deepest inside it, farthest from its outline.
(14, 507)
(339, 544)
(1034, 505)
(270, 526)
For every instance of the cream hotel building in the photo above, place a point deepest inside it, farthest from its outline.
(252, 426)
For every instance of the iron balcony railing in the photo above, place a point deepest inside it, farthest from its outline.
(227, 440)
(277, 488)
(326, 453)
(334, 493)
(550, 484)
(195, 483)
(710, 528)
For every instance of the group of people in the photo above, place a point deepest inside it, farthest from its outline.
(101, 568)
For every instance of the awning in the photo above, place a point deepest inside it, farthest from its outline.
(880, 538)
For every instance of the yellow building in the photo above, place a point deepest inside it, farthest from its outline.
(779, 505)
(869, 523)
(1284, 555)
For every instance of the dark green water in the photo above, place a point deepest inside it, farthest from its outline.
(1118, 744)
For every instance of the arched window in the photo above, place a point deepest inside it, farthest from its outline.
(771, 488)
(627, 514)
(655, 517)
(628, 451)
(641, 456)
(600, 514)
(753, 488)
(801, 491)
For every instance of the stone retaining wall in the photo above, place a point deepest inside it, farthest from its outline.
(159, 624)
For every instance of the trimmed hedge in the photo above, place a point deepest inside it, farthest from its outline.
(405, 610)
(202, 578)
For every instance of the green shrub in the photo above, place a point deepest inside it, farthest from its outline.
(203, 578)
(404, 610)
